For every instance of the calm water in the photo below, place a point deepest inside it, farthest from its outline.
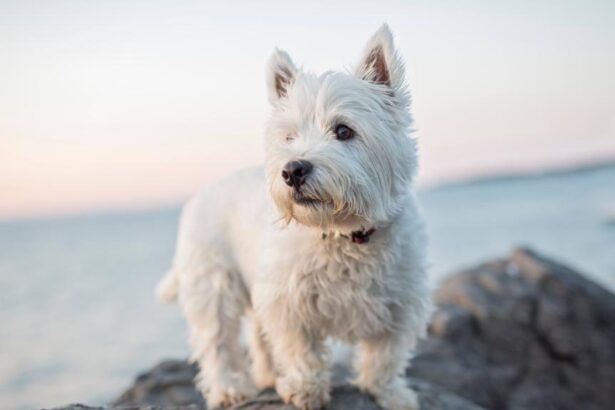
(77, 316)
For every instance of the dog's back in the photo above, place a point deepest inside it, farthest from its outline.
(224, 223)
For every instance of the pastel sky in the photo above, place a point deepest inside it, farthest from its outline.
(123, 104)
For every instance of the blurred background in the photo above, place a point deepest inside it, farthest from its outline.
(113, 113)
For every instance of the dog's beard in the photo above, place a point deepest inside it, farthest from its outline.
(311, 205)
(301, 198)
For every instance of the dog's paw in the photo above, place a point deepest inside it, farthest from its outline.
(304, 395)
(263, 378)
(308, 400)
(226, 396)
(398, 398)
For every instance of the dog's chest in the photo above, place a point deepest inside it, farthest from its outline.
(341, 291)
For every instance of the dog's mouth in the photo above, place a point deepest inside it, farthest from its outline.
(301, 199)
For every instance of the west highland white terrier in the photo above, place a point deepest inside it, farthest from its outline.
(324, 241)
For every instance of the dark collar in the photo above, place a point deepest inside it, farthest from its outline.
(358, 237)
(361, 236)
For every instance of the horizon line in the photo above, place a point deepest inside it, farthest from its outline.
(606, 162)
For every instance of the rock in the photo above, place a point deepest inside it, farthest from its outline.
(522, 333)
(169, 384)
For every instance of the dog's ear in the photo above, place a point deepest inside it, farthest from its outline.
(380, 62)
(281, 73)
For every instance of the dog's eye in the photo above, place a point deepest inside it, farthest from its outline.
(289, 137)
(343, 132)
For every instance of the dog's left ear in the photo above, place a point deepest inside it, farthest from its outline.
(380, 62)
(281, 73)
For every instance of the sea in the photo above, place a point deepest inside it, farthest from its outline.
(78, 320)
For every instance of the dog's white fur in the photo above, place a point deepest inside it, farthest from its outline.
(246, 247)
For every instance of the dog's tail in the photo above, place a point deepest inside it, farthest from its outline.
(166, 291)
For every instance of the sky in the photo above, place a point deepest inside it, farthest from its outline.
(130, 104)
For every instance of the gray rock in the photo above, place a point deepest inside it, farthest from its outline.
(77, 407)
(522, 333)
(169, 385)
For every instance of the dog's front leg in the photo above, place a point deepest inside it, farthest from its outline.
(263, 370)
(304, 375)
(379, 364)
(303, 379)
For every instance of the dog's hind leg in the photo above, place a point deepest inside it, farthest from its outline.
(213, 300)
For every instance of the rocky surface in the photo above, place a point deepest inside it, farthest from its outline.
(170, 384)
(522, 332)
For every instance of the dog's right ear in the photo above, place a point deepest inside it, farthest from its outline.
(281, 73)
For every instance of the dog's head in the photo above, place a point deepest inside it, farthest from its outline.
(338, 151)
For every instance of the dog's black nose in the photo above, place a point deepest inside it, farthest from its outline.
(295, 172)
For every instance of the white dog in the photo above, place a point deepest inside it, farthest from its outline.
(324, 241)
